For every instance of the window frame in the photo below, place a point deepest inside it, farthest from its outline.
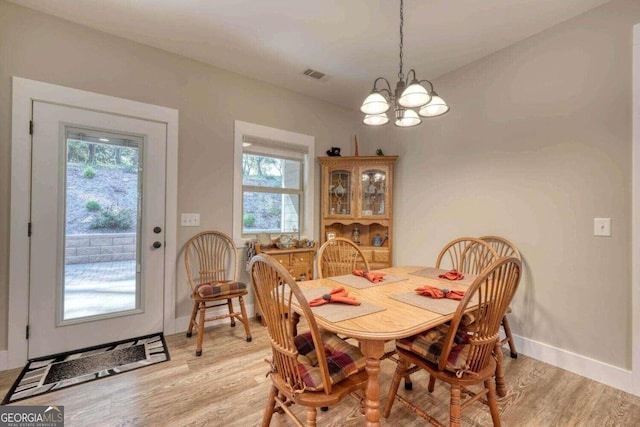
(298, 142)
(277, 190)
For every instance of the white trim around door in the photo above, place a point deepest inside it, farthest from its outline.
(24, 93)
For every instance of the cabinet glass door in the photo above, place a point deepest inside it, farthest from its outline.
(339, 192)
(374, 192)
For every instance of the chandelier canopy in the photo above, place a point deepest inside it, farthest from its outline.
(411, 101)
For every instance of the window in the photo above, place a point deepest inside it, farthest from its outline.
(272, 188)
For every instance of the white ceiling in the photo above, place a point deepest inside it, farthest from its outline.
(351, 41)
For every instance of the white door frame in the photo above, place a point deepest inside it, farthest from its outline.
(635, 219)
(24, 92)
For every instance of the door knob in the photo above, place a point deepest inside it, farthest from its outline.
(157, 244)
(157, 230)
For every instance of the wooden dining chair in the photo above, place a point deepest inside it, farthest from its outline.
(211, 262)
(467, 255)
(339, 256)
(299, 373)
(460, 357)
(504, 248)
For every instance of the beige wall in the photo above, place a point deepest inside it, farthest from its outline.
(537, 144)
(40, 47)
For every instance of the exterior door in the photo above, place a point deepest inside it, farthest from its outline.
(97, 228)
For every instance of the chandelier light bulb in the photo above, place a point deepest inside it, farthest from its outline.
(415, 95)
(407, 118)
(375, 103)
(376, 119)
(435, 108)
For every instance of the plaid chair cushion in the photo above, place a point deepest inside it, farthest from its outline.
(343, 359)
(219, 289)
(429, 345)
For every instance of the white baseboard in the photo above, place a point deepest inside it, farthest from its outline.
(610, 375)
(182, 323)
(4, 360)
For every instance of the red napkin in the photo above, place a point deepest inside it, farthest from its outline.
(338, 295)
(370, 276)
(433, 292)
(452, 275)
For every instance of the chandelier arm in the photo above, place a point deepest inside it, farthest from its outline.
(414, 75)
(430, 84)
(388, 88)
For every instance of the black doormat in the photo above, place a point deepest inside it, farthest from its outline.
(50, 373)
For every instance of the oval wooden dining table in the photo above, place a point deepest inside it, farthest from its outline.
(396, 320)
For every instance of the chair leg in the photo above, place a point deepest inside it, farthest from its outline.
(432, 383)
(393, 389)
(245, 319)
(454, 408)
(500, 383)
(311, 417)
(233, 319)
(507, 332)
(271, 405)
(203, 310)
(408, 385)
(492, 402)
(192, 321)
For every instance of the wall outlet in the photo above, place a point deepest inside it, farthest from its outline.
(602, 227)
(190, 220)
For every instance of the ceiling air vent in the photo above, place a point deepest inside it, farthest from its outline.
(313, 73)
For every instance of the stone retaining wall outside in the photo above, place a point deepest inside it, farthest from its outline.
(86, 248)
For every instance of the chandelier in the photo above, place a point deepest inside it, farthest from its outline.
(411, 101)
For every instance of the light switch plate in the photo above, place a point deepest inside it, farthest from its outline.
(602, 227)
(190, 219)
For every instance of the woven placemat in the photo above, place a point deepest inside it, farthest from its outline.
(433, 273)
(443, 306)
(362, 283)
(339, 312)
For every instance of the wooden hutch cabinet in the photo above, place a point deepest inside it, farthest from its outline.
(356, 203)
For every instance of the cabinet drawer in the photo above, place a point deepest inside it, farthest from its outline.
(299, 272)
(368, 254)
(378, 265)
(381, 255)
(282, 259)
(301, 259)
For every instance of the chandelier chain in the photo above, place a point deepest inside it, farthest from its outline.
(400, 75)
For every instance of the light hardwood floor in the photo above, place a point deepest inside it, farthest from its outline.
(227, 386)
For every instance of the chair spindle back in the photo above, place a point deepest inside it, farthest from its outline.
(340, 256)
(210, 256)
(502, 246)
(467, 255)
(494, 288)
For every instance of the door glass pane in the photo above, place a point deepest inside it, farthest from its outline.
(373, 192)
(102, 214)
(340, 192)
